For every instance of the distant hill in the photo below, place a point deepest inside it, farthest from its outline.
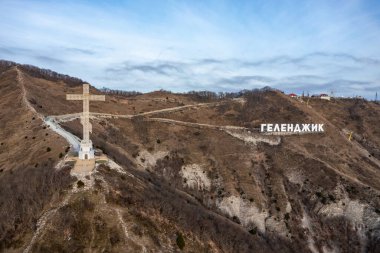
(41, 73)
(196, 176)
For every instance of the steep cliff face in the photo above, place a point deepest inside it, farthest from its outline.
(190, 177)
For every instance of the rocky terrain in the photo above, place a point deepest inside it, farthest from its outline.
(189, 173)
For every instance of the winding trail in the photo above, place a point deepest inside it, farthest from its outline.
(180, 108)
(43, 220)
(70, 138)
(197, 125)
(21, 82)
(72, 116)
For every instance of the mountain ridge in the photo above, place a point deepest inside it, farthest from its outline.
(215, 190)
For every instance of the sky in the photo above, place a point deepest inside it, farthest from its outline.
(310, 46)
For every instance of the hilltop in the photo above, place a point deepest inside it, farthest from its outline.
(192, 173)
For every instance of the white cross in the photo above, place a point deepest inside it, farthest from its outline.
(86, 150)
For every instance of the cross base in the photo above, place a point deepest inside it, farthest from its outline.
(86, 151)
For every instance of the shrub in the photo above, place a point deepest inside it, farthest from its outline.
(60, 155)
(180, 241)
(331, 197)
(253, 231)
(24, 196)
(48, 149)
(80, 184)
(236, 219)
(114, 236)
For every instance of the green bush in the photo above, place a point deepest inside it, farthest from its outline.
(180, 241)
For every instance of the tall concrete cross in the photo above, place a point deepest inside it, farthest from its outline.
(86, 149)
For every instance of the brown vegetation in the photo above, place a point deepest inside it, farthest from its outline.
(296, 186)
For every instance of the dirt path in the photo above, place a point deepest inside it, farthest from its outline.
(72, 116)
(180, 108)
(189, 124)
(331, 167)
(88, 179)
(21, 81)
(44, 220)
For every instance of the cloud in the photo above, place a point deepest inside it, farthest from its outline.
(339, 87)
(353, 85)
(159, 68)
(310, 60)
(209, 45)
(298, 78)
(233, 74)
(79, 50)
(14, 50)
(25, 52)
(210, 61)
(6, 51)
(243, 80)
(49, 60)
(344, 57)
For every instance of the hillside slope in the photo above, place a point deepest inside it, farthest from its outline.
(186, 175)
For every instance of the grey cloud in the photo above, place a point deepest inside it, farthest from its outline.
(6, 51)
(309, 62)
(17, 51)
(339, 87)
(354, 85)
(210, 61)
(303, 77)
(304, 86)
(306, 61)
(161, 68)
(49, 60)
(79, 50)
(343, 56)
(315, 72)
(278, 60)
(241, 80)
(14, 50)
